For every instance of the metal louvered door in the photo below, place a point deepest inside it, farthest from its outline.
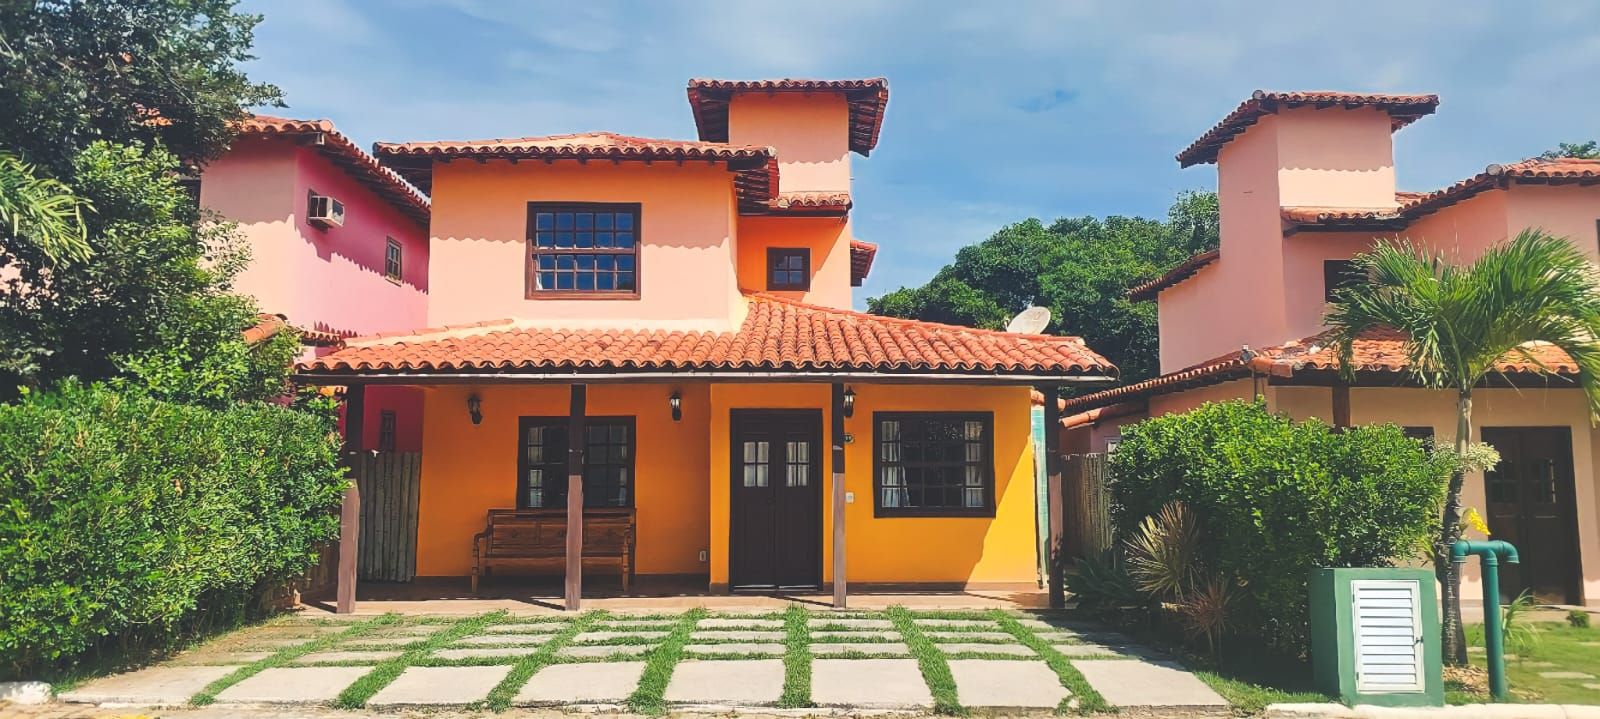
(1388, 635)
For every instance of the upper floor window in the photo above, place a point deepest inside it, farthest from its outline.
(1337, 275)
(588, 249)
(933, 464)
(391, 260)
(788, 268)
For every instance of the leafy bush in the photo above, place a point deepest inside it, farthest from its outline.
(125, 519)
(1277, 498)
(1578, 618)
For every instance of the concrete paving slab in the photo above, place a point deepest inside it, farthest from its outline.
(204, 658)
(592, 651)
(1069, 625)
(276, 643)
(938, 624)
(735, 648)
(440, 685)
(1566, 675)
(1085, 650)
(740, 623)
(589, 683)
(526, 628)
(606, 636)
(746, 682)
(1060, 637)
(482, 639)
(1591, 685)
(969, 636)
(889, 636)
(851, 624)
(161, 685)
(294, 685)
(990, 683)
(1016, 650)
(510, 654)
(869, 684)
(638, 625)
(1138, 683)
(886, 649)
(369, 657)
(760, 636)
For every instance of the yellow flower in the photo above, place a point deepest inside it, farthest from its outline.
(1474, 521)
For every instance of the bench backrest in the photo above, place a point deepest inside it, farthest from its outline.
(527, 532)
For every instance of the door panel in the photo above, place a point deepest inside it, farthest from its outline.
(776, 500)
(1531, 503)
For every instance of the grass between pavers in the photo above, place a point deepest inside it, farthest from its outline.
(935, 669)
(356, 695)
(796, 658)
(285, 655)
(650, 696)
(1250, 699)
(501, 696)
(1088, 701)
(1565, 648)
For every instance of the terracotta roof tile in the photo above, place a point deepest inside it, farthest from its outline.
(867, 98)
(269, 325)
(1402, 110)
(347, 156)
(861, 256)
(777, 335)
(830, 204)
(1184, 270)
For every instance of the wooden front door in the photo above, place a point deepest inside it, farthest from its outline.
(776, 500)
(1532, 504)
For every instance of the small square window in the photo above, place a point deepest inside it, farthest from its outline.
(788, 268)
(391, 260)
(387, 423)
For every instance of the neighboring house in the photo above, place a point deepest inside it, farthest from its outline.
(338, 245)
(684, 306)
(1306, 181)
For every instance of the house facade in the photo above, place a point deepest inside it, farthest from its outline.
(1305, 182)
(683, 307)
(332, 271)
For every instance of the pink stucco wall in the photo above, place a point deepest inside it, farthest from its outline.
(811, 133)
(1334, 157)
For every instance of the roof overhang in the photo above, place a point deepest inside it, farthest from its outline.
(1402, 110)
(867, 99)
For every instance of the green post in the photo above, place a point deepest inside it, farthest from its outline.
(1493, 634)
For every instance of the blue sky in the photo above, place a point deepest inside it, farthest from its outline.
(998, 111)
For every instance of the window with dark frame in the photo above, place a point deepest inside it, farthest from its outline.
(583, 250)
(391, 260)
(788, 268)
(1337, 275)
(933, 464)
(607, 462)
(387, 421)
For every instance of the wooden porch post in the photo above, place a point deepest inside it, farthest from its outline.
(575, 442)
(355, 406)
(836, 439)
(1054, 496)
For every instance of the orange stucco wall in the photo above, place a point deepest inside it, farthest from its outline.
(811, 133)
(828, 238)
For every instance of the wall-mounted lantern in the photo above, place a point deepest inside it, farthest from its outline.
(475, 409)
(849, 408)
(676, 400)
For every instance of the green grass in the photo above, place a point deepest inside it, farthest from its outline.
(501, 696)
(288, 654)
(649, 696)
(796, 658)
(1250, 698)
(1088, 700)
(1559, 644)
(935, 669)
(356, 695)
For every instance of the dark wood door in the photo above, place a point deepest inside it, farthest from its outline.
(1532, 504)
(776, 500)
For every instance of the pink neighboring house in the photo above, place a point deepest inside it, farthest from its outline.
(1306, 181)
(365, 273)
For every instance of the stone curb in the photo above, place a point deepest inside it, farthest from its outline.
(1465, 711)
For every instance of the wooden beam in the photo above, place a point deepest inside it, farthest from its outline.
(1054, 497)
(355, 407)
(1341, 405)
(836, 439)
(575, 497)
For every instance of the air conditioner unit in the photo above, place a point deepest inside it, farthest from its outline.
(324, 211)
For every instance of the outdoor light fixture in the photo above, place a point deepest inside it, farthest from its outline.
(849, 409)
(676, 400)
(475, 409)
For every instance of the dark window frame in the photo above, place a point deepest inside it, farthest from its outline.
(987, 510)
(532, 251)
(776, 253)
(1337, 275)
(523, 465)
(393, 260)
(388, 428)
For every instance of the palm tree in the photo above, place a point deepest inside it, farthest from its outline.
(1459, 322)
(41, 211)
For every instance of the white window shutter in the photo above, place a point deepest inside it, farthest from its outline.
(1388, 635)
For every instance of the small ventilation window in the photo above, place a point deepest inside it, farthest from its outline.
(391, 260)
(788, 268)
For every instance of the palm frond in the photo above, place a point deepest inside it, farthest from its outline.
(42, 211)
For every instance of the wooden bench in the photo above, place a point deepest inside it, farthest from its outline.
(538, 538)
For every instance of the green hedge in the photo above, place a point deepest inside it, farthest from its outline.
(125, 521)
(1277, 498)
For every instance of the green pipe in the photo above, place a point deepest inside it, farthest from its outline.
(1489, 554)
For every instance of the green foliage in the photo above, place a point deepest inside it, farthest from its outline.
(1080, 268)
(1578, 618)
(1164, 553)
(126, 519)
(1102, 584)
(148, 72)
(1276, 498)
(1518, 635)
(1582, 150)
(41, 211)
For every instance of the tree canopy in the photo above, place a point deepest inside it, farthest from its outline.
(1080, 268)
(1583, 150)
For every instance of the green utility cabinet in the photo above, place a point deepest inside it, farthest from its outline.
(1375, 636)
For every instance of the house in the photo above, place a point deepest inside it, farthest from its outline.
(683, 306)
(338, 246)
(1306, 181)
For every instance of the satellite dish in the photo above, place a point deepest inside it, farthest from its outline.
(1030, 321)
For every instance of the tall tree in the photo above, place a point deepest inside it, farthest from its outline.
(1582, 150)
(1459, 321)
(1080, 268)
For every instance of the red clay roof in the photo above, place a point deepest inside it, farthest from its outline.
(756, 167)
(867, 98)
(861, 256)
(1379, 350)
(347, 156)
(269, 325)
(1402, 110)
(1185, 270)
(827, 204)
(777, 335)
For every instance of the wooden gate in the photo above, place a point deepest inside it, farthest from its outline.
(390, 485)
(1088, 505)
